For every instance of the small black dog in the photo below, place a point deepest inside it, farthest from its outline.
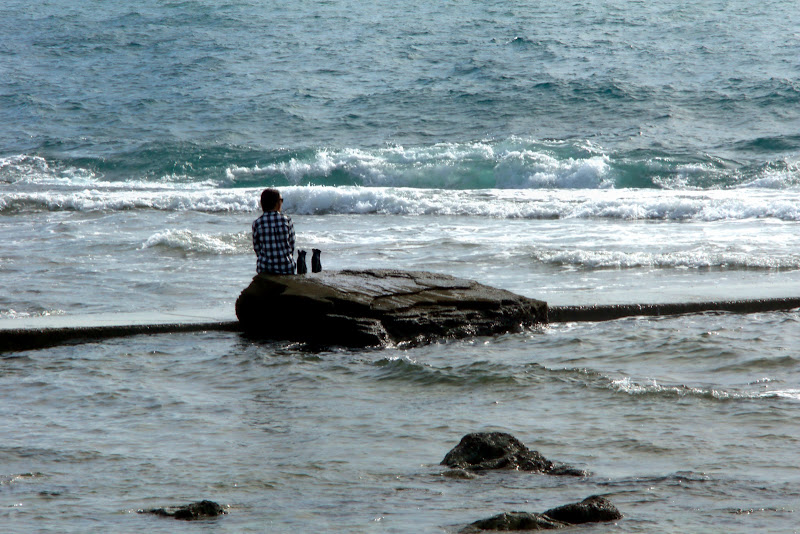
(301, 262)
(316, 264)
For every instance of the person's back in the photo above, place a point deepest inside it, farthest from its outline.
(273, 236)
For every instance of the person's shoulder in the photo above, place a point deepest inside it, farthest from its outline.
(271, 218)
(268, 215)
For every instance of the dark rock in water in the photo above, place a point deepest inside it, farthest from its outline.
(594, 509)
(497, 450)
(190, 512)
(509, 521)
(590, 510)
(378, 307)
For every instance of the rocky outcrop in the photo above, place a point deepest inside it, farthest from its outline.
(481, 451)
(189, 512)
(590, 510)
(594, 509)
(509, 521)
(379, 307)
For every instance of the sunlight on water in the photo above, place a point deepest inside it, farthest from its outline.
(580, 153)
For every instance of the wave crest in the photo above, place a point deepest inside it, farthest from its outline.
(630, 387)
(495, 203)
(478, 165)
(193, 242)
(514, 163)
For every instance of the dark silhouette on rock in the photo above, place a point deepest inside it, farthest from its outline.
(316, 260)
(379, 307)
(301, 262)
(190, 512)
(593, 509)
(481, 451)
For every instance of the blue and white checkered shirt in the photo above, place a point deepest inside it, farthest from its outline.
(273, 241)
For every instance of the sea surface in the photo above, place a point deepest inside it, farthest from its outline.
(582, 152)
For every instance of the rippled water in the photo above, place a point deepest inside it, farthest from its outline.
(686, 423)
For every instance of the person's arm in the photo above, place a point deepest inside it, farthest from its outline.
(255, 236)
(291, 236)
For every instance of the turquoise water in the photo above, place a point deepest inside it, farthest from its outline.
(160, 88)
(582, 153)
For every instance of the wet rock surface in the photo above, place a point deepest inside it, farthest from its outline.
(482, 451)
(593, 509)
(378, 307)
(190, 512)
(510, 521)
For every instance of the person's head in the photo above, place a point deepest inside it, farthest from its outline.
(271, 200)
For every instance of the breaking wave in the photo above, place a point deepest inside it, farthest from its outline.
(514, 163)
(631, 387)
(189, 241)
(496, 203)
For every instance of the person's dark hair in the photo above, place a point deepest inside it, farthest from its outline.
(269, 199)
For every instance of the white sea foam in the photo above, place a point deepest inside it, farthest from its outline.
(791, 394)
(652, 387)
(369, 168)
(26, 170)
(631, 387)
(625, 204)
(36, 169)
(446, 165)
(103, 200)
(550, 204)
(694, 259)
(13, 314)
(529, 169)
(189, 241)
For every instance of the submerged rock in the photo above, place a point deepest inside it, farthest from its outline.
(378, 307)
(593, 509)
(497, 450)
(459, 474)
(189, 512)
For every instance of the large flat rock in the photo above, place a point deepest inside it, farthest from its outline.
(379, 307)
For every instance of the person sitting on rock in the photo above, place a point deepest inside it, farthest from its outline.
(273, 236)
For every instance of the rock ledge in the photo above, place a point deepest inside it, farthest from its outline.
(379, 307)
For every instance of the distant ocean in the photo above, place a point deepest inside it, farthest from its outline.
(579, 152)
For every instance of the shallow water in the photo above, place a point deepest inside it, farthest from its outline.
(682, 432)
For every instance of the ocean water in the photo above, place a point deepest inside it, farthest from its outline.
(578, 152)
